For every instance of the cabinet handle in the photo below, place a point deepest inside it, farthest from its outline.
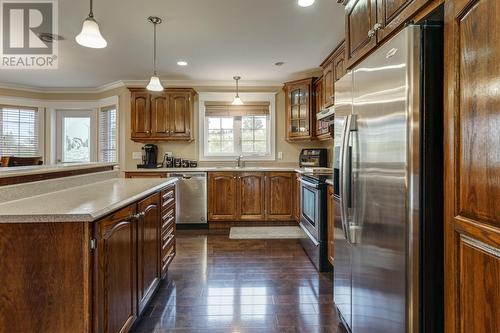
(371, 33)
(377, 26)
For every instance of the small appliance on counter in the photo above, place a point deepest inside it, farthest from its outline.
(313, 157)
(149, 157)
(168, 161)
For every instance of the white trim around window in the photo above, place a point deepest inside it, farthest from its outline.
(228, 97)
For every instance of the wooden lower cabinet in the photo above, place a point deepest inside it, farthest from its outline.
(251, 189)
(115, 307)
(222, 194)
(148, 249)
(279, 202)
(329, 217)
(250, 196)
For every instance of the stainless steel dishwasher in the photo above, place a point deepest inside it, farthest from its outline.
(191, 197)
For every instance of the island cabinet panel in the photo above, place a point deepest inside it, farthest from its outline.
(116, 272)
(472, 172)
(279, 186)
(45, 277)
(222, 196)
(148, 248)
(251, 195)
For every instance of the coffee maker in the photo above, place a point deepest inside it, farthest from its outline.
(149, 157)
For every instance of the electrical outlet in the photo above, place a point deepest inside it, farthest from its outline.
(137, 155)
(280, 155)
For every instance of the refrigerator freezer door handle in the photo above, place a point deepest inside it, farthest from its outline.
(343, 177)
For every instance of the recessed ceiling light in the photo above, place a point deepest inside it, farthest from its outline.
(279, 63)
(182, 63)
(305, 3)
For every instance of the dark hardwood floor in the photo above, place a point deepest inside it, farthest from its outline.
(220, 285)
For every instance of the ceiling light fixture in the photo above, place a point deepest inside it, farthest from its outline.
(305, 3)
(90, 36)
(182, 63)
(237, 100)
(154, 83)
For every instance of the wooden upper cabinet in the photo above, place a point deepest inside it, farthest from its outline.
(162, 116)
(360, 38)
(140, 114)
(392, 13)
(328, 80)
(148, 249)
(300, 118)
(159, 116)
(251, 198)
(222, 194)
(339, 66)
(180, 114)
(115, 308)
(279, 202)
(472, 171)
(322, 128)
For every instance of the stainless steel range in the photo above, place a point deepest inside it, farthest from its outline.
(313, 219)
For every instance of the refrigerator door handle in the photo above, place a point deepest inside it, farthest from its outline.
(343, 178)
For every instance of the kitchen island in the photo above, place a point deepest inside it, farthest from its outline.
(86, 258)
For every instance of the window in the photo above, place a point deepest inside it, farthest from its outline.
(76, 140)
(107, 135)
(19, 131)
(237, 130)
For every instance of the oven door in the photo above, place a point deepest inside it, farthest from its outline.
(310, 209)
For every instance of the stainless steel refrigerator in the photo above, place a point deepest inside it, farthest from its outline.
(388, 187)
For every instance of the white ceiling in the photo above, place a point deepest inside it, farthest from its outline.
(219, 39)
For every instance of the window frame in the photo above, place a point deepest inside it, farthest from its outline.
(117, 134)
(228, 97)
(41, 125)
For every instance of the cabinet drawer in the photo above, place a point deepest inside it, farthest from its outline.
(167, 238)
(167, 257)
(167, 197)
(167, 217)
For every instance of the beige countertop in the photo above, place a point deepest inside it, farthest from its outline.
(40, 169)
(329, 181)
(212, 169)
(84, 203)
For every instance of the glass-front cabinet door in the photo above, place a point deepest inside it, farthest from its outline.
(299, 110)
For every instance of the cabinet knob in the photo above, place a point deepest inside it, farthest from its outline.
(148, 132)
(377, 26)
(371, 33)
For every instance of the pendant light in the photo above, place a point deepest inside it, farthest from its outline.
(90, 36)
(154, 83)
(237, 100)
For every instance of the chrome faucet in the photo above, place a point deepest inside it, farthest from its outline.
(239, 162)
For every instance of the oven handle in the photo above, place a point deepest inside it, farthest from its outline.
(315, 242)
(305, 182)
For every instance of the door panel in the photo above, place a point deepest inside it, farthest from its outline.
(392, 14)
(222, 196)
(472, 172)
(251, 196)
(328, 78)
(361, 16)
(279, 206)
(115, 290)
(148, 248)
(160, 126)
(180, 114)
(141, 114)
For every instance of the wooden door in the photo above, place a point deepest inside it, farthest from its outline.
(392, 14)
(160, 124)
(328, 79)
(148, 249)
(279, 202)
(360, 20)
(251, 199)
(222, 194)
(140, 114)
(472, 167)
(329, 217)
(115, 295)
(180, 114)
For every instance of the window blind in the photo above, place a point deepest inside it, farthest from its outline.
(19, 128)
(226, 109)
(107, 135)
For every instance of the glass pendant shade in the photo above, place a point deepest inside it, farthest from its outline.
(237, 101)
(90, 36)
(154, 84)
(305, 3)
